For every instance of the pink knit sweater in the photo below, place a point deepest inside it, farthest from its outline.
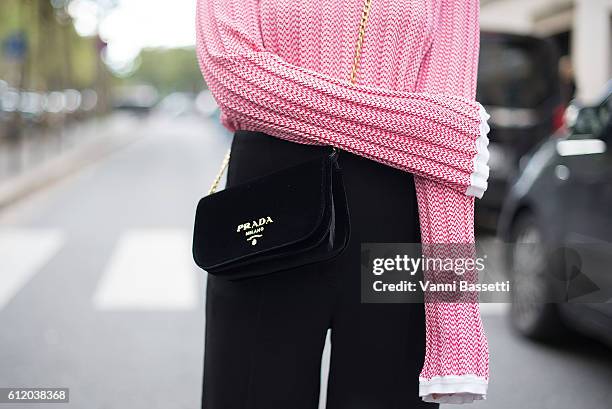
(282, 67)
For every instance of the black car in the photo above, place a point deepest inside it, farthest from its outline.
(557, 220)
(518, 84)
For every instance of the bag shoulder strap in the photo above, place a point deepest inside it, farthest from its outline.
(215, 184)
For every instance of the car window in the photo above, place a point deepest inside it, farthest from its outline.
(604, 112)
(592, 121)
(605, 119)
(515, 71)
(587, 124)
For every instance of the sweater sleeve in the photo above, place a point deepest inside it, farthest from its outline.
(457, 357)
(433, 135)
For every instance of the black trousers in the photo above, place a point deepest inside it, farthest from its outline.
(265, 336)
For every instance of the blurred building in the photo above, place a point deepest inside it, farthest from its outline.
(581, 28)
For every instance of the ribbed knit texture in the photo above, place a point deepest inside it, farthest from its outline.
(282, 67)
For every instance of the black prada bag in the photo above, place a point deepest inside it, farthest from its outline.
(289, 218)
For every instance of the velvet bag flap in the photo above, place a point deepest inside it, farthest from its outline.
(284, 219)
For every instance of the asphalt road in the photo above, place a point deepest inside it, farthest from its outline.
(99, 293)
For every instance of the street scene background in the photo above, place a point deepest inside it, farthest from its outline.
(109, 137)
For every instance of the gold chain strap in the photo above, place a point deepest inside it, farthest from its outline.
(367, 5)
(213, 187)
(362, 27)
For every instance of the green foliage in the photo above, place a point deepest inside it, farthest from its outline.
(9, 17)
(57, 57)
(168, 70)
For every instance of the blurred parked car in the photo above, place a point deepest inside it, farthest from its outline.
(206, 104)
(563, 201)
(177, 104)
(518, 83)
(18, 108)
(10, 101)
(4, 114)
(31, 107)
(138, 99)
(187, 104)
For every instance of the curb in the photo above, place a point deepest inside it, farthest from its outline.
(39, 177)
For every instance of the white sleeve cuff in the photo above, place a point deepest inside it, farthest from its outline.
(480, 174)
(455, 389)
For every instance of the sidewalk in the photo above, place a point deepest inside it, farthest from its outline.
(45, 157)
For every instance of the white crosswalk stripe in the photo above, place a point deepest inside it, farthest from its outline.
(23, 253)
(150, 269)
(494, 308)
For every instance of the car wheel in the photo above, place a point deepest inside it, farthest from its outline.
(529, 315)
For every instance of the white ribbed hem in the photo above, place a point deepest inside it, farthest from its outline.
(480, 174)
(456, 389)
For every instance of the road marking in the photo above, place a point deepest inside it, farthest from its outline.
(494, 308)
(150, 270)
(325, 364)
(24, 252)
